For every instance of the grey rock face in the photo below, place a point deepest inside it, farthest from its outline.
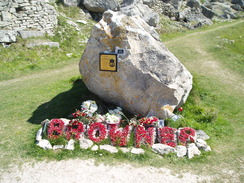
(149, 76)
(236, 7)
(162, 149)
(100, 5)
(149, 3)
(28, 34)
(7, 36)
(194, 3)
(141, 10)
(239, 2)
(26, 14)
(207, 12)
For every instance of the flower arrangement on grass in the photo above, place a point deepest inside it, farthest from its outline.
(89, 107)
(87, 124)
(78, 114)
(74, 129)
(55, 128)
(144, 137)
(147, 121)
(186, 135)
(114, 116)
(97, 132)
(167, 135)
(119, 136)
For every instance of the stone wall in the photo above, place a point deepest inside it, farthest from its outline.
(27, 15)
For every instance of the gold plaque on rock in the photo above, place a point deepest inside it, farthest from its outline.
(108, 62)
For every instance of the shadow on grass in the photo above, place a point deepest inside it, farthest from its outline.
(62, 105)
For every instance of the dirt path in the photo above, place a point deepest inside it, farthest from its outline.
(72, 171)
(206, 64)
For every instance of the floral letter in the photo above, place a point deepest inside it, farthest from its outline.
(97, 132)
(186, 134)
(143, 136)
(166, 135)
(119, 137)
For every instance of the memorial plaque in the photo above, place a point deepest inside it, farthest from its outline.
(108, 62)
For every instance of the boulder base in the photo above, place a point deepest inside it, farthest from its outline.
(149, 79)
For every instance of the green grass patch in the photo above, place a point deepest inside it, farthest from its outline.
(227, 45)
(19, 60)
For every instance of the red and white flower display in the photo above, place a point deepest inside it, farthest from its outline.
(89, 107)
(55, 128)
(186, 135)
(167, 135)
(146, 121)
(74, 129)
(119, 136)
(97, 132)
(144, 137)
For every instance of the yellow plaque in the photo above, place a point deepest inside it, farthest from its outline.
(108, 62)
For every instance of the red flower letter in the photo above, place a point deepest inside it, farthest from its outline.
(143, 136)
(97, 132)
(119, 137)
(167, 136)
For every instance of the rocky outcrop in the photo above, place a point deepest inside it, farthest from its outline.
(136, 7)
(100, 5)
(149, 76)
(71, 2)
(25, 14)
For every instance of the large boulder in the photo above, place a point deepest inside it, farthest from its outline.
(149, 77)
(100, 6)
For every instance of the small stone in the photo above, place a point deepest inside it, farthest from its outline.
(192, 150)
(137, 151)
(125, 149)
(39, 135)
(109, 148)
(86, 143)
(55, 147)
(162, 149)
(28, 34)
(180, 150)
(95, 148)
(70, 145)
(69, 54)
(81, 21)
(176, 117)
(201, 144)
(7, 36)
(45, 144)
(202, 135)
(50, 44)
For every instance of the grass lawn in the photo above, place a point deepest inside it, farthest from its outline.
(215, 104)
